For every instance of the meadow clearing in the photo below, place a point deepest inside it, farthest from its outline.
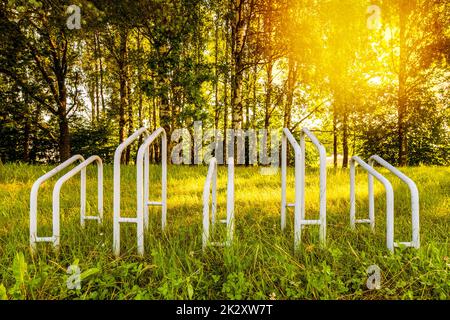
(261, 263)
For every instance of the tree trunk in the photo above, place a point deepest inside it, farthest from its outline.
(155, 146)
(122, 84)
(97, 80)
(216, 72)
(164, 114)
(247, 105)
(255, 81)
(163, 80)
(26, 132)
(268, 101)
(139, 75)
(268, 50)
(63, 121)
(345, 139)
(26, 141)
(64, 134)
(225, 87)
(54, 75)
(101, 73)
(237, 37)
(292, 77)
(91, 92)
(130, 112)
(335, 140)
(402, 78)
(254, 98)
(236, 95)
(164, 108)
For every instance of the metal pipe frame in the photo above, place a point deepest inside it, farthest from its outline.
(230, 202)
(117, 219)
(414, 193)
(389, 201)
(57, 193)
(287, 136)
(211, 186)
(142, 186)
(323, 183)
(34, 195)
(211, 179)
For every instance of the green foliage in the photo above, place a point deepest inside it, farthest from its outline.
(428, 134)
(97, 139)
(169, 63)
(236, 286)
(19, 269)
(3, 295)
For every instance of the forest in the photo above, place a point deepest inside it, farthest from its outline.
(368, 77)
(360, 79)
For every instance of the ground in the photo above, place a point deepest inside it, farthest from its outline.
(261, 263)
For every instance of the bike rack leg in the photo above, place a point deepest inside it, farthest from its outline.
(164, 183)
(100, 193)
(371, 202)
(206, 205)
(323, 196)
(99, 196)
(390, 218)
(55, 221)
(352, 195)
(56, 215)
(116, 218)
(230, 202)
(283, 180)
(389, 200)
(322, 185)
(57, 194)
(298, 201)
(83, 197)
(302, 176)
(140, 234)
(146, 186)
(146, 194)
(214, 198)
(211, 188)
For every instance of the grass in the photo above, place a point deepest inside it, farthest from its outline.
(261, 263)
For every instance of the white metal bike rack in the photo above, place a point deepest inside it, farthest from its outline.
(57, 192)
(117, 219)
(34, 195)
(287, 136)
(143, 187)
(414, 194)
(389, 201)
(211, 186)
(143, 165)
(322, 221)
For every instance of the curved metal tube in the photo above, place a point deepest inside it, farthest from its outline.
(117, 219)
(230, 201)
(414, 192)
(34, 194)
(389, 200)
(211, 179)
(57, 191)
(322, 178)
(287, 136)
(142, 206)
(211, 184)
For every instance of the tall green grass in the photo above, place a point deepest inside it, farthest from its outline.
(261, 263)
